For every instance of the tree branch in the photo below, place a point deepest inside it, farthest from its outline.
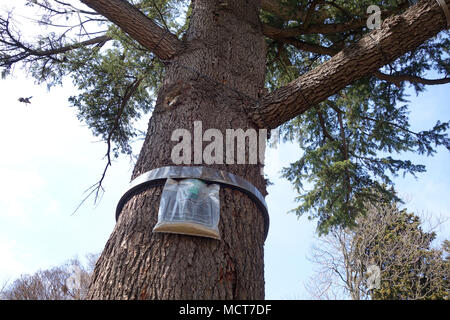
(345, 154)
(397, 79)
(323, 126)
(30, 52)
(138, 26)
(310, 12)
(98, 186)
(276, 33)
(310, 47)
(14, 50)
(281, 11)
(401, 34)
(60, 11)
(75, 9)
(319, 27)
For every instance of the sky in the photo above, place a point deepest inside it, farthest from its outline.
(48, 158)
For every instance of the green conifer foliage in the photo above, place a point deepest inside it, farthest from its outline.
(351, 141)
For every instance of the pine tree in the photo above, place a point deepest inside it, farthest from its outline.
(312, 68)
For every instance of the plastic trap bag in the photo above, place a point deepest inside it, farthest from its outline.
(189, 206)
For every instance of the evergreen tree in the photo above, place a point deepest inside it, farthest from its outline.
(387, 255)
(410, 267)
(312, 68)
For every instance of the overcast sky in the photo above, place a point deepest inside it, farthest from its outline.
(48, 158)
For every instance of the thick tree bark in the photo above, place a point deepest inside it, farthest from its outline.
(397, 36)
(139, 264)
(216, 79)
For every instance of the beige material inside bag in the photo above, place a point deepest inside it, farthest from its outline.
(191, 207)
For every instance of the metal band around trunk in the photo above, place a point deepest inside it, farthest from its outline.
(157, 177)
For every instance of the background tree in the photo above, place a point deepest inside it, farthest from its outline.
(53, 283)
(311, 67)
(392, 240)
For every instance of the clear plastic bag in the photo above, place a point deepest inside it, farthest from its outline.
(189, 206)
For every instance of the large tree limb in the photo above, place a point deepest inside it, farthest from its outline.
(320, 28)
(287, 12)
(73, 9)
(310, 47)
(141, 28)
(398, 35)
(396, 79)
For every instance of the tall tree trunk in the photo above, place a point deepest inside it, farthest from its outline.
(227, 52)
(214, 77)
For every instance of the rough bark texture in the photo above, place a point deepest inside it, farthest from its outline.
(216, 78)
(164, 44)
(228, 50)
(398, 35)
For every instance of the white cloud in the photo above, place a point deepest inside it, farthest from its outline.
(11, 261)
(18, 188)
(46, 128)
(272, 162)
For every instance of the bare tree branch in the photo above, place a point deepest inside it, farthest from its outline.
(14, 50)
(72, 9)
(97, 188)
(69, 281)
(141, 28)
